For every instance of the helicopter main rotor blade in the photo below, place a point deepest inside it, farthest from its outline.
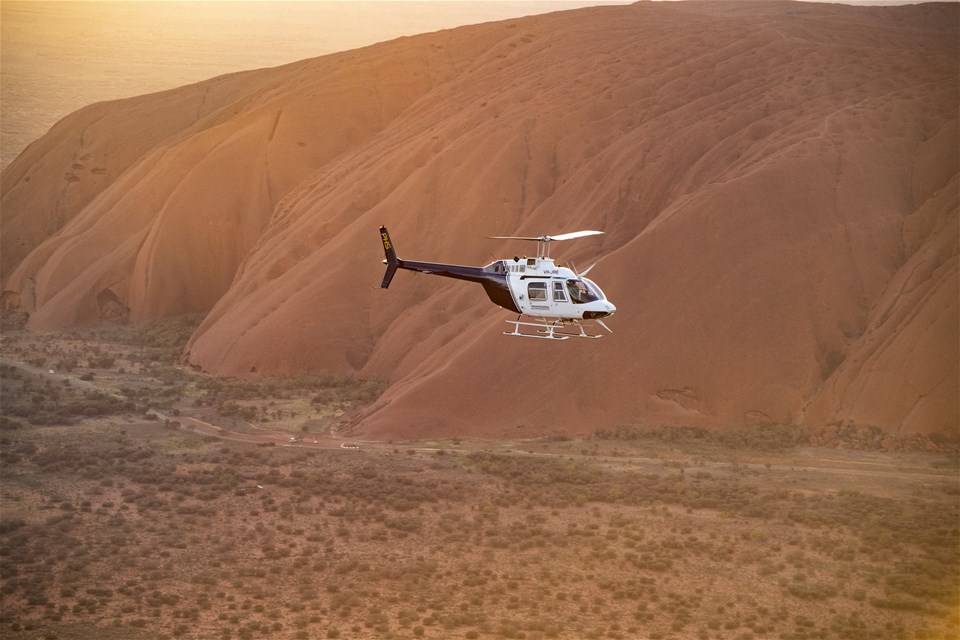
(575, 234)
(562, 236)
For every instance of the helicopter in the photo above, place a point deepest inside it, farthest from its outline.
(556, 298)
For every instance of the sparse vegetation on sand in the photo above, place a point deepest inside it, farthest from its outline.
(141, 367)
(116, 526)
(134, 529)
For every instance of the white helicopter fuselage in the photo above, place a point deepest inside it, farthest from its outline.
(541, 289)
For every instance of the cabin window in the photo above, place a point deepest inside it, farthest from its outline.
(537, 291)
(558, 293)
(580, 293)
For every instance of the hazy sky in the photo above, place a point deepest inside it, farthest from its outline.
(56, 57)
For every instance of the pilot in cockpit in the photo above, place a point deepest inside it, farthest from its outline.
(578, 291)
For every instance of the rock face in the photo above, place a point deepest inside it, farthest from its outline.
(778, 183)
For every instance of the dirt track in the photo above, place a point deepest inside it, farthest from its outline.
(829, 462)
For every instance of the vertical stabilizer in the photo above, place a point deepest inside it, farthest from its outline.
(391, 260)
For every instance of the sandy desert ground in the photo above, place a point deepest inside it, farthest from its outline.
(118, 524)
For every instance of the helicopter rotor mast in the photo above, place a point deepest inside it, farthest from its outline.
(543, 242)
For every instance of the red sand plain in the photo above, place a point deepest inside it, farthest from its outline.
(778, 184)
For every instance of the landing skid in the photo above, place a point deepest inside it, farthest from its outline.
(547, 330)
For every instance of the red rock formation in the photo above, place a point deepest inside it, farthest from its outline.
(778, 183)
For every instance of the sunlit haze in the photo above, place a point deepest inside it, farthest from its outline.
(60, 56)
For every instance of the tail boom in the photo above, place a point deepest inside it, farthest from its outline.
(492, 277)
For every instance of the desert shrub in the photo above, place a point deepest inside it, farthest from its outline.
(8, 423)
(9, 525)
(101, 362)
(812, 591)
(898, 603)
(13, 320)
(768, 437)
(765, 437)
(67, 364)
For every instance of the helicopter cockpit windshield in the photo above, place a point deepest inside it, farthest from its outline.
(584, 291)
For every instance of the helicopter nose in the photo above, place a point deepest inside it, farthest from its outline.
(602, 311)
